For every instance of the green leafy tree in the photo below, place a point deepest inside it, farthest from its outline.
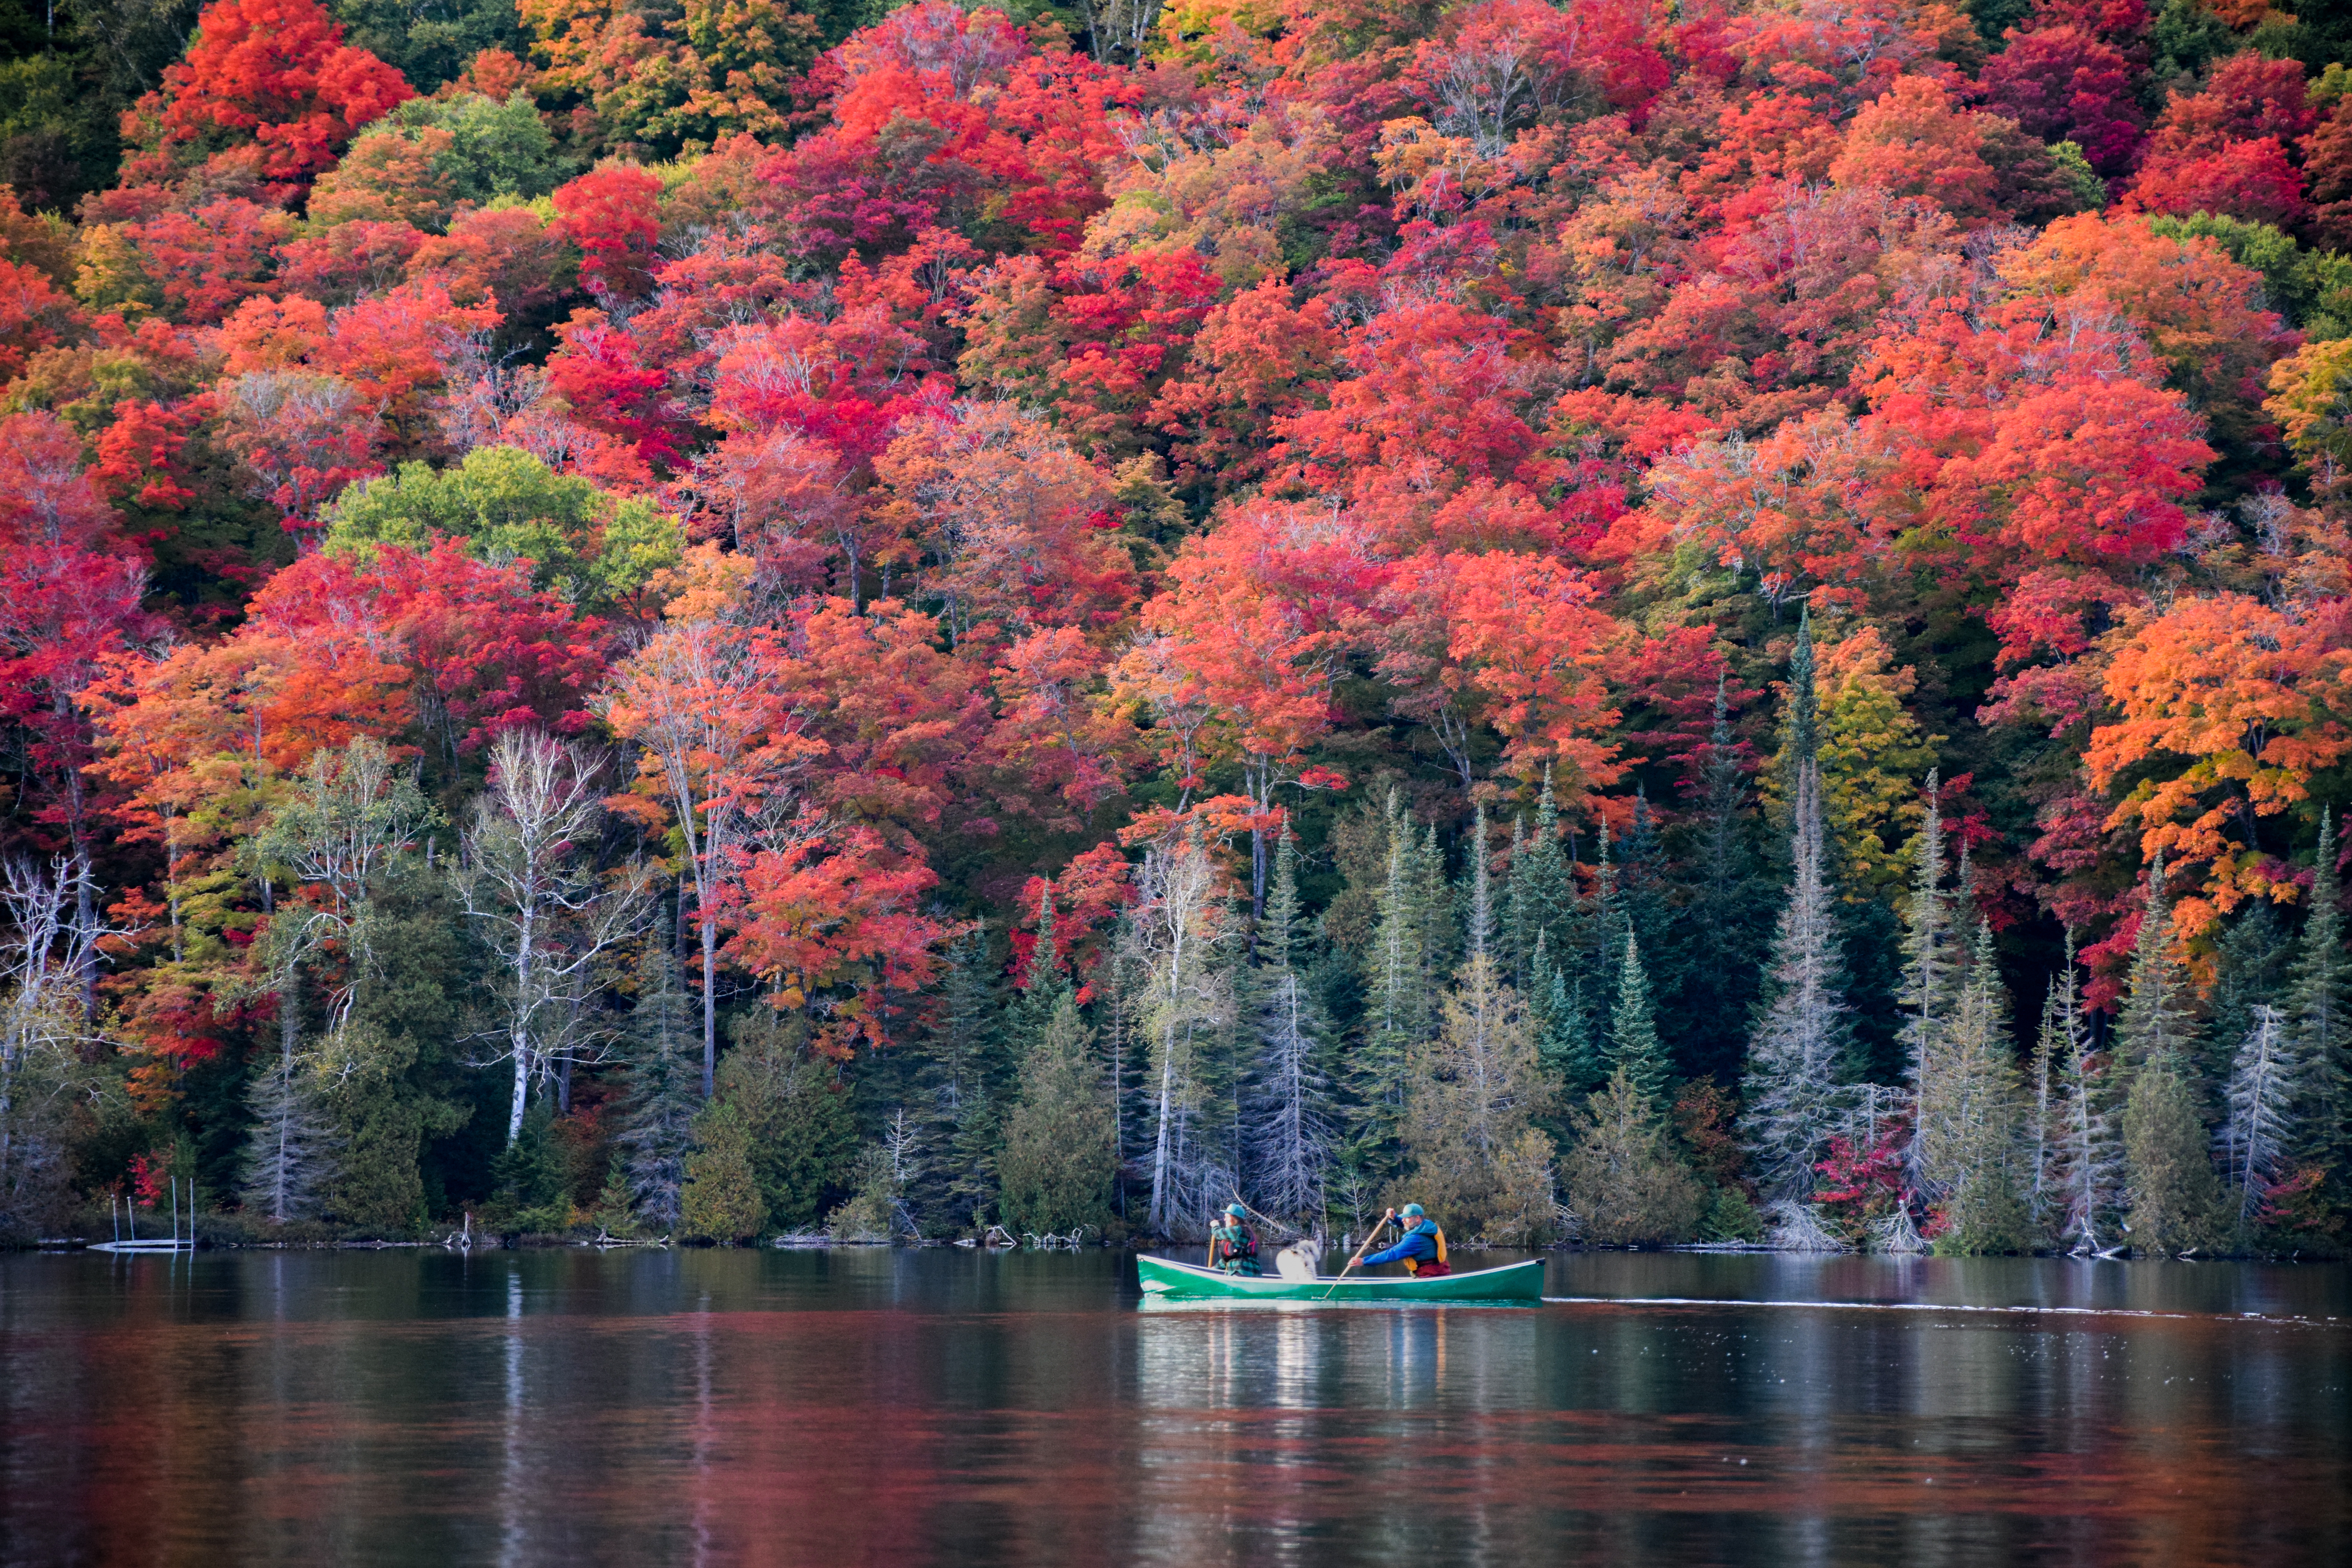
(596, 549)
(722, 1200)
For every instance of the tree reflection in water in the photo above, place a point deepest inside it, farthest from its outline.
(876, 1407)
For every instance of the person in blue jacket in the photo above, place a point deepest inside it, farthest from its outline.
(1422, 1248)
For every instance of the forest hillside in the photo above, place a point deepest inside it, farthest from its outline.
(1637, 621)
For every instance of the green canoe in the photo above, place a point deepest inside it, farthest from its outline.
(1511, 1282)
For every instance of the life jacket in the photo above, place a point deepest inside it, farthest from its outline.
(1432, 1267)
(1236, 1249)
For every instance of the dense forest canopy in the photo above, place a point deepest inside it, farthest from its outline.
(1637, 620)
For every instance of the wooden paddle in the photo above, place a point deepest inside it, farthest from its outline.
(1374, 1237)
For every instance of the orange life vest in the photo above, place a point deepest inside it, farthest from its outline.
(1437, 1264)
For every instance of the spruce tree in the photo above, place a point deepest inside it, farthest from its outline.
(1727, 909)
(1801, 718)
(964, 1042)
(1056, 1167)
(288, 1157)
(2250, 963)
(1521, 930)
(1795, 1102)
(2158, 1027)
(2319, 1013)
(1930, 968)
(2176, 1202)
(1622, 1178)
(1604, 926)
(2088, 1178)
(1396, 991)
(1476, 1094)
(1440, 926)
(1564, 1038)
(1633, 1045)
(1971, 1116)
(1290, 1135)
(2263, 1126)
(1551, 888)
(1047, 985)
(664, 1089)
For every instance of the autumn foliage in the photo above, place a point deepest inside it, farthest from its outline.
(950, 461)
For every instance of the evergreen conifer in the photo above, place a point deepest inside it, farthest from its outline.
(2176, 1200)
(2319, 1011)
(1930, 968)
(664, 1089)
(1795, 1102)
(2158, 1027)
(1056, 1167)
(1633, 1045)
(1622, 1178)
(1290, 1132)
(2261, 1129)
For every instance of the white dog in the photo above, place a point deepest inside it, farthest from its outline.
(1302, 1259)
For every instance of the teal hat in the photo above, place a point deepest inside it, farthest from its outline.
(1411, 1211)
(1237, 1211)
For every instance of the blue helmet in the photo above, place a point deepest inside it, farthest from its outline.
(1411, 1211)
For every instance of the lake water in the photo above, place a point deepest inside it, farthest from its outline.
(906, 1407)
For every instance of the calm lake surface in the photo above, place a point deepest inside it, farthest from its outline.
(872, 1406)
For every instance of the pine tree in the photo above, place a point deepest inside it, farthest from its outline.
(290, 1155)
(2158, 1027)
(664, 1088)
(1633, 1045)
(1969, 1117)
(1642, 895)
(964, 1038)
(2319, 1013)
(2250, 971)
(2089, 1176)
(1056, 1168)
(1045, 986)
(1794, 1101)
(1289, 1137)
(1801, 718)
(2176, 1202)
(1726, 908)
(1396, 1000)
(1931, 989)
(1476, 1091)
(2265, 1089)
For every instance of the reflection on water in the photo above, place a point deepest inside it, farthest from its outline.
(872, 1406)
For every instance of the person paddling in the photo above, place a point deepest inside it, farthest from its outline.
(1422, 1249)
(1233, 1247)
